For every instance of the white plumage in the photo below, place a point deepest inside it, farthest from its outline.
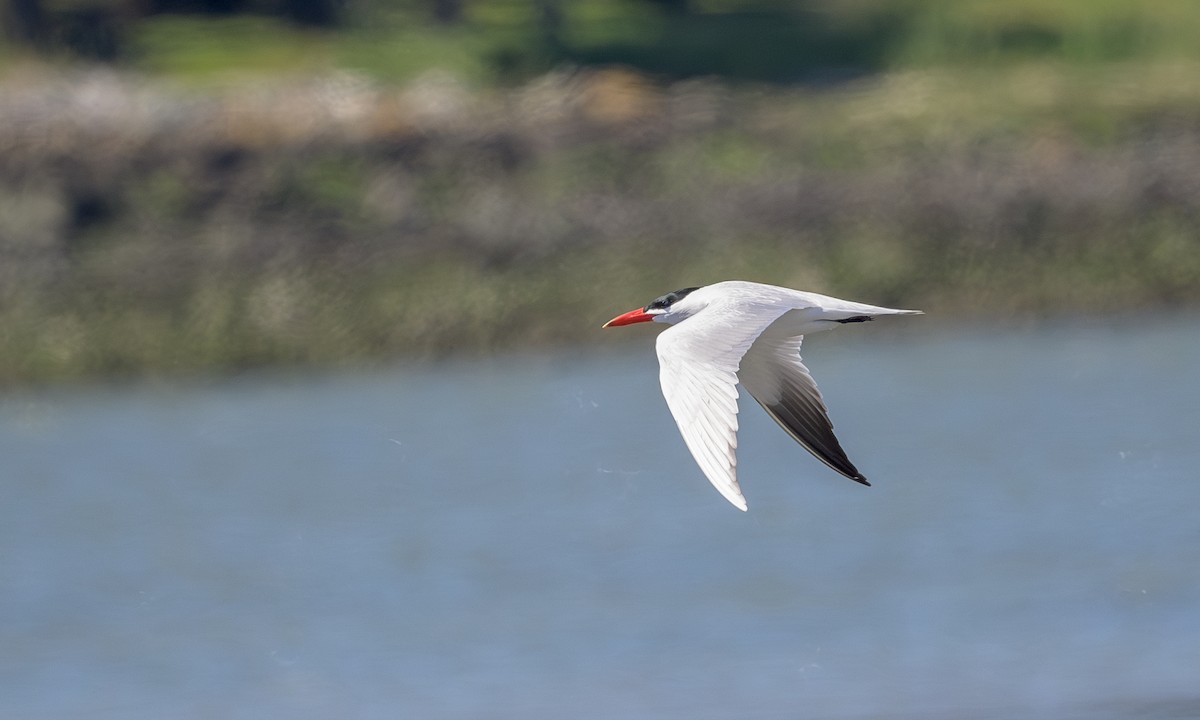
(750, 333)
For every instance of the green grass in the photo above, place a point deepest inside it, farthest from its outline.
(198, 48)
(1085, 31)
(505, 41)
(441, 305)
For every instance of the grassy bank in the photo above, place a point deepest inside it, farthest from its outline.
(144, 229)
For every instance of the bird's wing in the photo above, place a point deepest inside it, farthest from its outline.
(698, 368)
(773, 374)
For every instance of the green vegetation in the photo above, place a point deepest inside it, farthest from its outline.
(512, 40)
(516, 40)
(261, 193)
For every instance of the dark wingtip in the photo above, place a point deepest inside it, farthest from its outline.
(861, 479)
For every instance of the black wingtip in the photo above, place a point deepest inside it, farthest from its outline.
(861, 479)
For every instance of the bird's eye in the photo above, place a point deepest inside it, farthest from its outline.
(666, 301)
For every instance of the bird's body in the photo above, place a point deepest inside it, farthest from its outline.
(742, 332)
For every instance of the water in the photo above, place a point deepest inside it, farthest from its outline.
(528, 538)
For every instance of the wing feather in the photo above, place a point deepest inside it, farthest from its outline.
(774, 375)
(698, 370)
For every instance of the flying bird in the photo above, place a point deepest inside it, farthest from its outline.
(742, 332)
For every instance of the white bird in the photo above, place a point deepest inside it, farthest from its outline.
(750, 333)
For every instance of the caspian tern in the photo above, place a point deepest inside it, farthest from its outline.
(743, 332)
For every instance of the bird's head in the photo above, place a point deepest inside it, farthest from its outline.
(670, 308)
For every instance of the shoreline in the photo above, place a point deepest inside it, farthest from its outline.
(148, 229)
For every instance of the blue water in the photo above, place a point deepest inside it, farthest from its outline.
(527, 537)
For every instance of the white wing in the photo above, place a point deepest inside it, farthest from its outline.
(698, 369)
(774, 375)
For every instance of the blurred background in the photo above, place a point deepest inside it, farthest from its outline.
(191, 186)
(305, 410)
